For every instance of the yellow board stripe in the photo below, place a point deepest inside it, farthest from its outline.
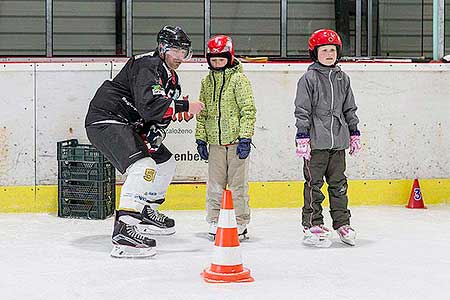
(41, 199)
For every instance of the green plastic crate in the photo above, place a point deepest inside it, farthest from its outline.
(86, 182)
(70, 150)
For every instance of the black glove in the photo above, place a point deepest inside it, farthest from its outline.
(202, 149)
(155, 137)
(243, 148)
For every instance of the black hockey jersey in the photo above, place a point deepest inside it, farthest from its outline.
(145, 91)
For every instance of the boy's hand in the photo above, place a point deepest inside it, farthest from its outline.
(355, 144)
(303, 148)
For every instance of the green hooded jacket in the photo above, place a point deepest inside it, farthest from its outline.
(230, 111)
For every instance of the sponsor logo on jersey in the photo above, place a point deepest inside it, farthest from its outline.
(128, 103)
(149, 175)
(158, 90)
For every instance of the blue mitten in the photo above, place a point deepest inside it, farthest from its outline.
(243, 148)
(202, 149)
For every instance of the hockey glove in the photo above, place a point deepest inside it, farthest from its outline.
(155, 137)
(303, 148)
(355, 142)
(182, 116)
(243, 148)
(202, 149)
(187, 116)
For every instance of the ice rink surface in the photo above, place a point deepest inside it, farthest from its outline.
(400, 254)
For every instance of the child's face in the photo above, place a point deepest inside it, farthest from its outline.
(218, 62)
(327, 54)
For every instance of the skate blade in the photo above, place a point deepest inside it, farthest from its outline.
(153, 230)
(348, 242)
(211, 237)
(319, 243)
(121, 251)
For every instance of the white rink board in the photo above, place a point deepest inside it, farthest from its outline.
(403, 111)
(62, 99)
(17, 126)
(402, 107)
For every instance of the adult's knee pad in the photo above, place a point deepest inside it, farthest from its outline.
(146, 184)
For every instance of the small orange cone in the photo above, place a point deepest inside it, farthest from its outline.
(415, 199)
(227, 260)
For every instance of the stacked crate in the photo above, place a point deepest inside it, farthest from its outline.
(86, 182)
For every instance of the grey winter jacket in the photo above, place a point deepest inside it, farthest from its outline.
(325, 107)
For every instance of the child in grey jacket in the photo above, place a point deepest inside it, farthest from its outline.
(326, 122)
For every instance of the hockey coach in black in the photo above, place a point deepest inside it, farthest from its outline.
(126, 121)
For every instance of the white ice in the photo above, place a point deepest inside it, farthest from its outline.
(400, 254)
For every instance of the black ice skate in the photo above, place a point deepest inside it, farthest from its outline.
(128, 243)
(154, 222)
(242, 232)
(149, 221)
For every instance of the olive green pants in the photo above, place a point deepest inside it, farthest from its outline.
(328, 164)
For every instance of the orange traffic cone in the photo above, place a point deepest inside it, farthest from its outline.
(415, 199)
(227, 260)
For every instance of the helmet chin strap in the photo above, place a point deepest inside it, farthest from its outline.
(223, 55)
(162, 52)
(164, 60)
(314, 56)
(217, 69)
(330, 66)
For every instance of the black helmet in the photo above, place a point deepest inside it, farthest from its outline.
(173, 37)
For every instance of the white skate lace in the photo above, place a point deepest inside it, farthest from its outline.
(134, 234)
(156, 215)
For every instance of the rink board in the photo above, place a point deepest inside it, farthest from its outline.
(403, 110)
(17, 124)
(262, 195)
(63, 92)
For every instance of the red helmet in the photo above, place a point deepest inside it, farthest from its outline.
(220, 46)
(324, 37)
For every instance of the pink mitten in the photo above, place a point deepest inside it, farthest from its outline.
(303, 148)
(355, 144)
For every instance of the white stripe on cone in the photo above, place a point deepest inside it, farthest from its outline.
(227, 219)
(227, 256)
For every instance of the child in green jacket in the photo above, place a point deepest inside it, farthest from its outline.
(224, 131)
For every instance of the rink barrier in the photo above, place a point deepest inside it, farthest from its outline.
(44, 199)
(402, 108)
